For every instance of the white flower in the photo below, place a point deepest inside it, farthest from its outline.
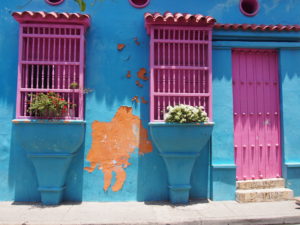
(169, 108)
(185, 114)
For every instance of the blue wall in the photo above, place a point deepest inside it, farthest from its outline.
(113, 22)
(223, 168)
(290, 95)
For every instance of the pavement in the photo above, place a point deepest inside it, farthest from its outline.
(197, 212)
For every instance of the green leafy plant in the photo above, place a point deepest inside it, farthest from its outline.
(185, 114)
(48, 105)
(82, 4)
(75, 85)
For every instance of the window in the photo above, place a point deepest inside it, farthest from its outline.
(51, 59)
(54, 2)
(139, 3)
(249, 7)
(180, 61)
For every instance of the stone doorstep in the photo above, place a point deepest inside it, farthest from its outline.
(264, 195)
(260, 184)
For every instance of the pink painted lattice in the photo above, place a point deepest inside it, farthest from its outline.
(51, 59)
(180, 61)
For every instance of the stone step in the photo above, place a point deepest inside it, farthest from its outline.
(264, 195)
(260, 184)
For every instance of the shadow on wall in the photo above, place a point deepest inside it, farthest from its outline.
(107, 64)
(107, 76)
(23, 176)
(152, 173)
(113, 86)
(8, 83)
(152, 184)
(113, 144)
(106, 69)
(126, 174)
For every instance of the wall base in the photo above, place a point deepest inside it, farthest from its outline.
(292, 174)
(223, 185)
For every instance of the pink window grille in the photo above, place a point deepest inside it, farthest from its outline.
(51, 59)
(180, 63)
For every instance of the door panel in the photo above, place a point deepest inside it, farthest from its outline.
(256, 113)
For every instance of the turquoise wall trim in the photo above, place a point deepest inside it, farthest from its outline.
(244, 44)
(223, 178)
(290, 164)
(219, 35)
(290, 98)
(223, 166)
(114, 22)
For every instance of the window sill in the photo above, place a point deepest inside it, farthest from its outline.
(164, 124)
(45, 121)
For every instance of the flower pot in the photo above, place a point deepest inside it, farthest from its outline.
(180, 145)
(50, 145)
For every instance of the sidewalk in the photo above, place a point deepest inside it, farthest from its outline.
(204, 213)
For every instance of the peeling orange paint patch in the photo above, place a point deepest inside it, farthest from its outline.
(120, 47)
(128, 75)
(136, 41)
(144, 100)
(135, 99)
(138, 83)
(141, 74)
(112, 144)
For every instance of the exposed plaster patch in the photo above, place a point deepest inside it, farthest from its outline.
(144, 100)
(142, 74)
(136, 41)
(121, 47)
(138, 83)
(135, 99)
(128, 75)
(112, 144)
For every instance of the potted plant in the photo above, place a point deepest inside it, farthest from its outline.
(49, 105)
(51, 139)
(180, 140)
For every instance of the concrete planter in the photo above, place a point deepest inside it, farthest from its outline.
(50, 145)
(180, 145)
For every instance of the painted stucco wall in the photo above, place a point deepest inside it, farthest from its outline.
(223, 169)
(114, 22)
(290, 80)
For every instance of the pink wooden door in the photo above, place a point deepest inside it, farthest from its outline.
(256, 114)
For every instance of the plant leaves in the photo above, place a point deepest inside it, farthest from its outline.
(81, 4)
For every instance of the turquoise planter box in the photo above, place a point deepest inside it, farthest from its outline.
(50, 145)
(180, 145)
